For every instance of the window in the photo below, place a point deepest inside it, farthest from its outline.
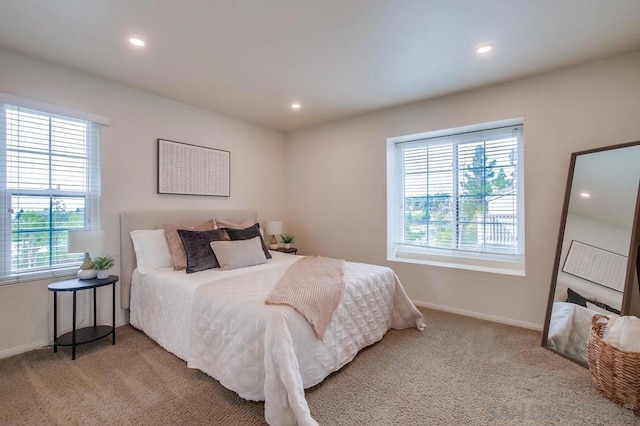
(50, 181)
(456, 199)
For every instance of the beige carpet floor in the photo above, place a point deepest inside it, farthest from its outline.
(459, 371)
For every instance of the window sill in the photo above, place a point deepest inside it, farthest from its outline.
(468, 261)
(39, 276)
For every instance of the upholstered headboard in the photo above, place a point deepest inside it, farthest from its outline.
(132, 220)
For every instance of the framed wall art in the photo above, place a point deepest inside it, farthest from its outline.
(596, 265)
(192, 170)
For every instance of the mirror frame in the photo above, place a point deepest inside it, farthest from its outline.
(634, 254)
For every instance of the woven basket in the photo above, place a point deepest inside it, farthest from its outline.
(615, 371)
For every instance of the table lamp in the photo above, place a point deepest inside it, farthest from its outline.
(85, 241)
(274, 227)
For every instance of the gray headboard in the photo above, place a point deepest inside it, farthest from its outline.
(132, 220)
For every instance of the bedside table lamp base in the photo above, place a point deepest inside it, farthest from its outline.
(274, 227)
(273, 243)
(85, 241)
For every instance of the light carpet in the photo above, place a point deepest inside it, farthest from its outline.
(459, 371)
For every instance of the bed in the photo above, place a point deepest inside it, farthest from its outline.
(569, 329)
(217, 320)
(570, 322)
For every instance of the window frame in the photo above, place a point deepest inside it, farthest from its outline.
(91, 193)
(509, 264)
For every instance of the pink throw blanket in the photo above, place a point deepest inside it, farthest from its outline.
(313, 286)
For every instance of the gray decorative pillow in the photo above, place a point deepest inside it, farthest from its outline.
(200, 256)
(247, 234)
(175, 244)
(239, 253)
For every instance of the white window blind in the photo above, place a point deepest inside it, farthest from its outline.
(50, 179)
(459, 196)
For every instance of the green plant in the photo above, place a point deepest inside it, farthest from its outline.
(287, 238)
(102, 263)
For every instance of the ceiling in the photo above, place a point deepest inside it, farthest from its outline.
(612, 180)
(251, 59)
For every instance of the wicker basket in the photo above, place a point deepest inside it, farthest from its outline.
(615, 371)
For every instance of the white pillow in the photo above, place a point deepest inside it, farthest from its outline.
(238, 253)
(221, 223)
(598, 309)
(152, 250)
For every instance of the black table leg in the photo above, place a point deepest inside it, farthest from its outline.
(55, 321)
(73, 336)
(113, 310)
(95, 312)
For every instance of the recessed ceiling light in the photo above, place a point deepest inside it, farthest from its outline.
(585, 195)
(136, 42)
(485, 48)
(295, 105)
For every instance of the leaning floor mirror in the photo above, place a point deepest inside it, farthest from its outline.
(596, 263)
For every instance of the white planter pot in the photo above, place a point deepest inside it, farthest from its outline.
(102, 274)
(86, 274)
(287, 245)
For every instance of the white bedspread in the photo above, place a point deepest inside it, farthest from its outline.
(569, 329)
(221, 326)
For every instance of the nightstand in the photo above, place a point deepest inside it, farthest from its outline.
(86, 334)
(291, 250)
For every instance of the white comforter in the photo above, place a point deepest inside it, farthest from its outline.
(217, 321)
(569, 329)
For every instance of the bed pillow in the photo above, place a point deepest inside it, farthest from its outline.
(577, 298)
(597, 309)
(601, 307)
(152, 250)
(200, 256)
(175, 243)
(248, 233)
(221, 223)
(239, 253)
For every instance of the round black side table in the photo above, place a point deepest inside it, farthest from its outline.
(86, 334)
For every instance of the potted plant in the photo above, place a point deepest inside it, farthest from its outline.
(102, 264)
(287, 239)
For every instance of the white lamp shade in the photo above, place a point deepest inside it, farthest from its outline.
(274, 227)
(85, 241)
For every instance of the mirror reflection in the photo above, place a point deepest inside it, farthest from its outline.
(591, 273)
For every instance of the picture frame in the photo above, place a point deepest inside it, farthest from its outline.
(597, 265)
(188, 169)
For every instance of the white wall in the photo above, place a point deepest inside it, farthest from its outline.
(336, 194)
(335, 198)
(128, 151)
(603, 235)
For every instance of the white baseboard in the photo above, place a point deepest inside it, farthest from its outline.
(479, 315)
(42, 344)
(39, 344)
